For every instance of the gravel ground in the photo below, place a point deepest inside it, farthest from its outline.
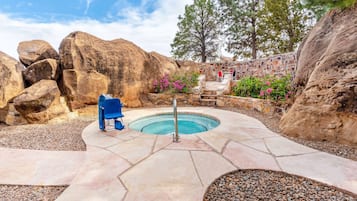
(272, 122)
(30, 193)
(60, 137)
(63, 136)
(249, 185)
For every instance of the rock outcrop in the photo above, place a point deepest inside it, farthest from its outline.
(40, 102)
(46, 69)
(35, 50)
(326, 81)
(92, 66)
(11, 82)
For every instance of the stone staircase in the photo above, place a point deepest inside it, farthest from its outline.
(208, 97)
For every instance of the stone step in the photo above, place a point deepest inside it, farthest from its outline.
(208, 95)
(209, 92)
(208, 100)
(208, 103)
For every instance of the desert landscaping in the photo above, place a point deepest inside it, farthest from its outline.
(293, 138)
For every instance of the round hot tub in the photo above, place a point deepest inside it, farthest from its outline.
(163, 124)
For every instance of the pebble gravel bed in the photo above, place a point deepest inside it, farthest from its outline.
(30, 193)
(54, 137)
(249, 185)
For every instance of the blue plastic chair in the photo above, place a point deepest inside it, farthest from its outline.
(118, 125)
(112, 109)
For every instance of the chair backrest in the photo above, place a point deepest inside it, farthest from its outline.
(112, 106)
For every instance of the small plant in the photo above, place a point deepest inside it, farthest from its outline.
(177, 84)
(269, 87)
(161, 85)
(248, 87)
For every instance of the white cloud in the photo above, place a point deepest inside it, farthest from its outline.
(88, 3)
(152, 32)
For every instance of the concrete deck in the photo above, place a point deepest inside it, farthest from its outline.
(128, 165)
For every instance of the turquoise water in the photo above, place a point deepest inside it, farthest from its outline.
(163, 124)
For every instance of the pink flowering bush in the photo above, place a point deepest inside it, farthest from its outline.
(176, 84)
(269, 87)
(162, 84)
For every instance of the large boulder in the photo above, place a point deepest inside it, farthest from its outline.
(35, 50)
(40, 102)
(84, 87)
(326, 81)
(92, 66)
(11, 83)
(46, 69)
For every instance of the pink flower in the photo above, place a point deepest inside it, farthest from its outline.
(269, 90)
(267, 83)
(261, 93)
(178, 85)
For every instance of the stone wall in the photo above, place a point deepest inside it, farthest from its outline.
(278, 65)
(159, 99)
(260, 105)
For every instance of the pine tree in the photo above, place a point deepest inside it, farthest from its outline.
(197, 37)
(320, 7)
(242, 30)
(286, 23)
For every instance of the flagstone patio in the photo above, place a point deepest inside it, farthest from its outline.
(128, 165)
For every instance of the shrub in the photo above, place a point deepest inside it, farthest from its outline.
(248, 87)
(180, 83)
(269, 87)
(161, 85)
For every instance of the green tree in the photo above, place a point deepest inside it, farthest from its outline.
(286, 22)
(198, 34)
(320, 7)
(242, 31)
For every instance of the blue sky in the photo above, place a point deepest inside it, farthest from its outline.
(66, 10)
(151, 24)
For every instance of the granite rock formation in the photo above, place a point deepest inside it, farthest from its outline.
(40, 102)
(46, 69)
(326, 81)
(35, 50)
(11, 82)
(92, 66)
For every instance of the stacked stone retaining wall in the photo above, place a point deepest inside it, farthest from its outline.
(277, 65)
(259, 105)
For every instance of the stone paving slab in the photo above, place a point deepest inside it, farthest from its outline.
(136, 149)
(163, 169)
(36, 167)
(210, 165)
(248, 158)
(97, 178)
(280, 146)
(112, 191)
(257, 144)
(127, 165)
(216, 140)
(323, 167)
(93, 136)
(162, 141)
(189, 142)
